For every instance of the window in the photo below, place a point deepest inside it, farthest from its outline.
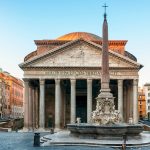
(148, 88)
(148, 94)
(140, 112)
(148, 100)
(148, 107)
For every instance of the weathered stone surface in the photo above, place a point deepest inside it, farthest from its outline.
(96, 131)
(79, 73)
(82, 54)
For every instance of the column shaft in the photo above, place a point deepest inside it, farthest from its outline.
(128, 102)
(89, 100)
(125, 103)
(57, 103)
(73, 101)
(30, 108)
(42, 104)
(135, 101)
(26, 104)
(120, 98)
(131, 101)
(36, 109)
(33, 100)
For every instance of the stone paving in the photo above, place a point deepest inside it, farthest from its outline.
(24, 141)
(64, 138)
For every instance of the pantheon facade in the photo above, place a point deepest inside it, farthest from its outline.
(62, 80)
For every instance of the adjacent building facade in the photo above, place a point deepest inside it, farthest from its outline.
(11, 96)
(141, 103)
(62, 79)
(4, 97)
(147, 97)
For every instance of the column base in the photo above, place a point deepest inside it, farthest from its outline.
(57, 129)
(40, 130)
(25, 129)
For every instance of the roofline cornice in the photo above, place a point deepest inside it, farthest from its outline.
(59, 42)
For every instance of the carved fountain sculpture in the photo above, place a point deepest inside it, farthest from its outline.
(105, 113)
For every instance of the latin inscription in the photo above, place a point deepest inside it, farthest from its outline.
(77, 73)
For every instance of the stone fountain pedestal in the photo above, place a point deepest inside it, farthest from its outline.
(90, 131)
(105, 122)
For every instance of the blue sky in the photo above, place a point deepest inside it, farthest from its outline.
(23, 21)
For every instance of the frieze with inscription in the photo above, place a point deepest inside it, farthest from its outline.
(79, 74)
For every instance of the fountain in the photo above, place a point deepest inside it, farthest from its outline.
(105, 120)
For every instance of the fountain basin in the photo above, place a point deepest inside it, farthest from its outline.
(96, 131)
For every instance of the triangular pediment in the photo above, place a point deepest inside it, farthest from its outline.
(79, 53)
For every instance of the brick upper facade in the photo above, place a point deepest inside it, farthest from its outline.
(43, 46)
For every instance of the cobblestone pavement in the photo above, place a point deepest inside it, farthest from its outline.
(24, 141)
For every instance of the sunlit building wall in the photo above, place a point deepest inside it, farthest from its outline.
(11, 96)
(141, 103)
(147, 97)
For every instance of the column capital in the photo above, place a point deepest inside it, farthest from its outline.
(120, 82)
(89, 80)
(135, 82)
(57, 81)
(73, 81)
(26, 83)
(42, 81)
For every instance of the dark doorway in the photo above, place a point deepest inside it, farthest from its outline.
(81, 108)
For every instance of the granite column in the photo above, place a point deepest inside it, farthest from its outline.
(57, 103)
(89, 99)
(26, 103)
(42, 105)
(135, 101)
(120, 98)
(73, 101)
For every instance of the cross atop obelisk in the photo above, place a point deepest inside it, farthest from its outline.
(105, 6)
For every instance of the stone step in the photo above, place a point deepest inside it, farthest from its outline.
(42, 140)
(5, 129)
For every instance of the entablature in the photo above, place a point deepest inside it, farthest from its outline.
(80, 73)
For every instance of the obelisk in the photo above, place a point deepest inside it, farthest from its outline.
(105, 90)
(105, 112)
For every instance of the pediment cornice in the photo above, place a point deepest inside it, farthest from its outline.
(71, 44)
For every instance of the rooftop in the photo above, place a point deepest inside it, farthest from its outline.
(78, 35)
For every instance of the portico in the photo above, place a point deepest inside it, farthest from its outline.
(62, 83)
(58, 98)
